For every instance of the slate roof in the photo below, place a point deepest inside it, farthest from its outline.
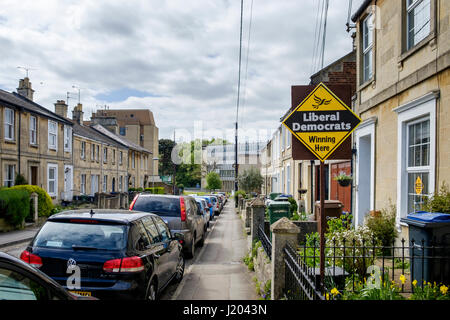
(93, 134)
(15, 100)
(119, 139)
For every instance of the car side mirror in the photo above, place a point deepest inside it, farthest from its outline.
(178, 236)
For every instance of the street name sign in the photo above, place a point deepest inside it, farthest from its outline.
(322, 122)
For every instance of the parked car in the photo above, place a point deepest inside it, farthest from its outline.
(216, 204)
(20, 281)
(204, 208)
(181, 214)
(120, 254)
(210, 206)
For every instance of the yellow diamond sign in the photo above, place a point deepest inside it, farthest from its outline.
(419, 185)
(322, 122)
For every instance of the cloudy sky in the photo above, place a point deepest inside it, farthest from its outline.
(178, 58)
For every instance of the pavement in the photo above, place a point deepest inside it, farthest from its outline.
(218, 273)
(17, 236)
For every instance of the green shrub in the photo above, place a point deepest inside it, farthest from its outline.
(20, 180)
(294, 206)
(344, 222)
(382, 224)
(14, 205)
(439, 202)
(45, 204)
(239, 192)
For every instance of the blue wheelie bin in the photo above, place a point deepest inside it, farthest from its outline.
(429, 237)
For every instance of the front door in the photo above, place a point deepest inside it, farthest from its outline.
(68, 183)
(33, 175)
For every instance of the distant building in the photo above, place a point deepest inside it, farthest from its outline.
(135, 125)
(221, 159)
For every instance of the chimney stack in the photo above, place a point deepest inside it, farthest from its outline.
(61, 108)
(77, 114)
(25, 89)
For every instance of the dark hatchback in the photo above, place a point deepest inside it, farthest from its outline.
(120, 254)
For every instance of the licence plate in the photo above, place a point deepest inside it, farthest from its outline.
(82, 293)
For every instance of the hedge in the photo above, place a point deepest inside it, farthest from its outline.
(45, 204)
(14, 205)
(155, 190)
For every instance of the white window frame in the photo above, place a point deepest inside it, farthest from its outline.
(67, 138)
(83, 184)
(51, 134)
(9, 130)
(105, 183)
(120, 183)
(120, 158)
(55, 179)
(288, 179)
(105, 154)
(423, 107)
(367, 48)
(9, 181)
(133, 160)
(97, 151)
(409, 9)
(83, 150)
(33, 130)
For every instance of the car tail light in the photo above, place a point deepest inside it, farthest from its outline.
(133, 202)
(183, 209)
(129, 264)
(31, 259)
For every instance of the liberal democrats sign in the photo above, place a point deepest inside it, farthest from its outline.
(322, 122)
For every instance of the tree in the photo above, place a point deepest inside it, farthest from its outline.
(213, 181)
(250, 180)
(165, 161)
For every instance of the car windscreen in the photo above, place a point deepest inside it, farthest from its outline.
(68, 235)
(162, 206)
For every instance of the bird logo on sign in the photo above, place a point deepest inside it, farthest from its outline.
(320, 102)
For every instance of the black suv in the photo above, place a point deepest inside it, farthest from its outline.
(119, 254)
(181, 213)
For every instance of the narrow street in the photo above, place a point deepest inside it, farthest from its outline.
(218, 271)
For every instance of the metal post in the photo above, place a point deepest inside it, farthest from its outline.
(322, 223)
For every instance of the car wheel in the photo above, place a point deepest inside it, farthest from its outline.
(192, 249)
(179, 272)
(152, 291)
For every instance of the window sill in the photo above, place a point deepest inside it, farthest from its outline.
(52, 149)
(33, 145)
(10, 141)
(424, 42)
(366, 84)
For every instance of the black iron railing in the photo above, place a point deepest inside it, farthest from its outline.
(300, 279)
(265, 241)
(353, 266)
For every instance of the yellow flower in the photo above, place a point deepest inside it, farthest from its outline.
(414, 283)
(402, 279)
(327, 296)
(334, 292)
(443, 289)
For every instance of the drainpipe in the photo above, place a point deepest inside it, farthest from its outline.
(19, 140)
(351, 173)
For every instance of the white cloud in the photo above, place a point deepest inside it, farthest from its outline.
(184, 54)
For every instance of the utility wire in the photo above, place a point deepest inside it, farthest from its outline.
(315, 38)
(237, 104)
(246, 65)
